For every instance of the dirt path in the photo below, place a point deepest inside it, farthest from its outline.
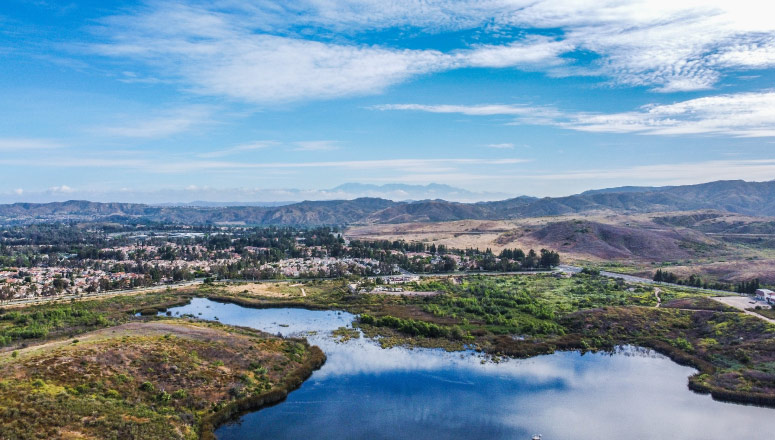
(153, 328)
(743, 303)
(657, 291)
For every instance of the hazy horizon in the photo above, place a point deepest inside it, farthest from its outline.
(275, 197)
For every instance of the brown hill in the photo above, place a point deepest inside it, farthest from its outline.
(606, 241)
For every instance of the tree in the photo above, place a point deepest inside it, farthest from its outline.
(549, 259)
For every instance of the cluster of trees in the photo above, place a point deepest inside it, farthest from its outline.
(440, 259)
(412, 327)
(749, 287)
(697, 281)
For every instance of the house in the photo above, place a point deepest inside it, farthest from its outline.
(765, 295)
(400, 279)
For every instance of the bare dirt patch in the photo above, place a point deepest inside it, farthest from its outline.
(743, 303)
(407, 293)
(270, 290)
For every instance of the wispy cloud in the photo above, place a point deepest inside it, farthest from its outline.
(251, 51)
(225, 59)
(62, 189)
(472, 110)
(176, 166)
(27, 144)
(252, 146)
(503, 146)
(386, 164)
(738, 115)
(676, 173)
(317, 145)
(162, 125)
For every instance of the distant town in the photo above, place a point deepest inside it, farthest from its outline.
(47, 260)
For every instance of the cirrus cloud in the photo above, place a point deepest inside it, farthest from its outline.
(254, 52)
(738, 115)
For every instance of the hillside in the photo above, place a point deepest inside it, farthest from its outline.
(748, 198)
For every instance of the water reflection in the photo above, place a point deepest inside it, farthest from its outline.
(364, 391)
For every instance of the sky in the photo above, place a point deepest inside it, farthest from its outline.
(228, 100)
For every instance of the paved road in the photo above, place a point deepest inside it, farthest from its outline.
(743, 303)
(634, 279)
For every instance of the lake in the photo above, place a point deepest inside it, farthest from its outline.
(366, 392)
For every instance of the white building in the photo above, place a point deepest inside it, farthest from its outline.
(765, 295)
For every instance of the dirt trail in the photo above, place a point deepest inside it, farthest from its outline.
(657, 291)
(154, 328)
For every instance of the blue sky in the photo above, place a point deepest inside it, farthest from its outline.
(269, 100)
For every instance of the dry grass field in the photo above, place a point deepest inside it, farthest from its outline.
(719, 246)
(271, 290)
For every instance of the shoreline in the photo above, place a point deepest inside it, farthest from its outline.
(568, 342)
(235, 409)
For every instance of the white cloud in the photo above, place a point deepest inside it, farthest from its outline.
(317, 145)
(18, 191)
(27, 144)
(63, 189)
(503, 146)
(741, 115)
(241, 65)
(471, 110)
(438, 165)
(676, 173)
(253, 53)
(160, 165)
(738, 115)
(252, 146)
(165, 124)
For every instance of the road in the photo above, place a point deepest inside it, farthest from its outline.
(633, 279)
(743, 303)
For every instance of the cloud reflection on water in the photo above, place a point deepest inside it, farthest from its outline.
(364, 391)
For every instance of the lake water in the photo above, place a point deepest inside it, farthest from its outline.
(366, 392)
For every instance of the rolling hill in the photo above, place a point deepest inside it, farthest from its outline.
(748, 198)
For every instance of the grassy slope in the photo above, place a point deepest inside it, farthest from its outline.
(146, 378)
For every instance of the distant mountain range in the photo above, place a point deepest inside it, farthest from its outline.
(246, 196)
(737, 196)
